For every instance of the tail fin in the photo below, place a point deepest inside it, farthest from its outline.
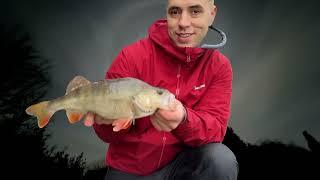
(42, 113)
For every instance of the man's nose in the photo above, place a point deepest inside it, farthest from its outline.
(184, 21)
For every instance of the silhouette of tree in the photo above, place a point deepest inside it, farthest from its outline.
(24, 81)
(98, 173)
(96, 170)
(272, 159)
(313, 144)
(234, 142)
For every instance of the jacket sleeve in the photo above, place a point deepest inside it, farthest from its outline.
(118, 69)
(207, 121)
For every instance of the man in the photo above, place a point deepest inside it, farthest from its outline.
(186, 142)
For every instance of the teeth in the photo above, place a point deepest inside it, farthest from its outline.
(184, 35)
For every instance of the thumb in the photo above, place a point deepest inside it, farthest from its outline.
(174, 105)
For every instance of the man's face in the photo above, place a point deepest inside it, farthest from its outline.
(188, 21)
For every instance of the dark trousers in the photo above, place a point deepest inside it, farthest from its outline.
(213, 161)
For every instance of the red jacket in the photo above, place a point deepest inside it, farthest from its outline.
(200, 78)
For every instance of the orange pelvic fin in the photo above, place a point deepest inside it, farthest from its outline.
(42, 113)
(74, 116)
(120, 124)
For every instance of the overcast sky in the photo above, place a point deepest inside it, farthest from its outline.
(273, 47)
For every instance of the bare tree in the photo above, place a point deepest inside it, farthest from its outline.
(24, 81)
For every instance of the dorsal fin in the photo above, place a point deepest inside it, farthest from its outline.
(77, 82)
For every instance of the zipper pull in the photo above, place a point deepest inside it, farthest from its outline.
(188, 58)
(164, 139)
(178, 81)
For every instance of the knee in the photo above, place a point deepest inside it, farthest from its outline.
(219, 159)
(218, 154)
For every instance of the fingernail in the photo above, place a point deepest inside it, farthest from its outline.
(88, 123)
(116, 129)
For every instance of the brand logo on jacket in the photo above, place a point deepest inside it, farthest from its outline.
(199, 87)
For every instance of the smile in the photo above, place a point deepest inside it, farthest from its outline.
(184, 35)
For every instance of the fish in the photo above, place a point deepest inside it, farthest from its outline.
(122, 99)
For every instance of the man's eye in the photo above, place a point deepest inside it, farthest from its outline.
(196, 11)
(174, 12)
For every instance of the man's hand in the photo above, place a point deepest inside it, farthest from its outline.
(167, 120)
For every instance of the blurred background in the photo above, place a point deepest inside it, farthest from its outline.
(272, 45)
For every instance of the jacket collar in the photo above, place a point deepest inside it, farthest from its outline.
(158, 33)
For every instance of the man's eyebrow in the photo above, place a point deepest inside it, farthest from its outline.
(190, 7)
(196, 7)
(173, 7)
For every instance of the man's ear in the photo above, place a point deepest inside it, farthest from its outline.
(213, 13)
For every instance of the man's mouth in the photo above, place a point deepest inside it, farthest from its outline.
(184, 35)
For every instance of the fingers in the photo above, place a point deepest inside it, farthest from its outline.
(173, 106)
(89, 119)
(164, 120)
(159, 124)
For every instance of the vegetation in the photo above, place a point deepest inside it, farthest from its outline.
(24, 80)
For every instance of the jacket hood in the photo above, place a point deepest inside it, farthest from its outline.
(158, 33)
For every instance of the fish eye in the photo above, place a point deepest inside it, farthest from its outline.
(160, 92)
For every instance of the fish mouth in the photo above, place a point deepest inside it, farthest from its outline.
(146, 111)
(172, 102)
(141, 107)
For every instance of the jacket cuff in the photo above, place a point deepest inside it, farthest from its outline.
(184, 126)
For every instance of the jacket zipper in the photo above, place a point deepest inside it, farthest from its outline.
(179, 76)
(162, 149)
(178, 81)
(177, 94)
